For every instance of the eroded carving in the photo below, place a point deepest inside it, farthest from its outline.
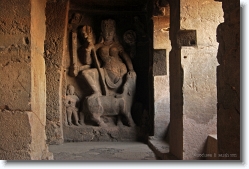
(130, 39)
(71, 103)
(108, 70)
(113, 105)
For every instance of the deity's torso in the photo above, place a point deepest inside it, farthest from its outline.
(112, 63)
(71, 100)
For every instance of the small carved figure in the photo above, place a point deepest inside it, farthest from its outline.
(71, 102)
(75, 22)
(76, 18)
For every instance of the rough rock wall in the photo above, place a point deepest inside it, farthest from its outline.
(15, 87)
(228, 82)
(22, 86)
(193, 75)
(162, 46)
(56, 22)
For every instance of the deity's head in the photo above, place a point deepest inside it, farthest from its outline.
(76, 18)
(108, 28)
(70, 90)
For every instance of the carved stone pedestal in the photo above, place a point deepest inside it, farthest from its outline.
(110, 133)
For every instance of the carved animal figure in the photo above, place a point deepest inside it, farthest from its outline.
(97, 106)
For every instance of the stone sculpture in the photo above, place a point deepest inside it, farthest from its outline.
(130, 39)
(113, 105)
(71, 103)
(108, 70)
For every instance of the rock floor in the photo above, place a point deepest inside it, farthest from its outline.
(102, 151)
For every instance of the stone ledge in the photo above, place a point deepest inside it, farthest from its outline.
(94, 133)
(160, 148)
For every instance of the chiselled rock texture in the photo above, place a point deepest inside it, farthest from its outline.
(56, 21)
(160, 72)
(228, 83)
(22, 85)
(21, 139)
(16, 143)
(161, 94)
(193, 76)
(111, 133)
(15, 46)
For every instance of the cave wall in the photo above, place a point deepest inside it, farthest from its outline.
(193, 62)
(56, 37)
(161, 95)
(22, 86)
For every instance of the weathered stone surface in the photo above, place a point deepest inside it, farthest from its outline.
(15, 54)
(193, 78)
(38, 77)
(15, 131)
(161, 33)
(159, 62)
(199, 83)
(56, 21)
(161, 97)
(199, 99)
(159, 147)
(104, 151)
(22, 137)
(110, 133)
(161, 106)
(202, 16)
(186, 38)
(22, 83)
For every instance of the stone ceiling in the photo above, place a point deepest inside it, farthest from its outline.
(137, 5)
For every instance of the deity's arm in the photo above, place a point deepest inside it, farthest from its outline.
(127, 60)
(97, 46)
(94, 54)
(67, 99)
(76, 98)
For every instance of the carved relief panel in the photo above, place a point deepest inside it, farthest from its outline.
(102, 52)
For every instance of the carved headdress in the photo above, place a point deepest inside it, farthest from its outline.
(108, 25)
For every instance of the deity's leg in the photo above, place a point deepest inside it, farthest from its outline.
(76, 118)
(69, 117)
(91, 76)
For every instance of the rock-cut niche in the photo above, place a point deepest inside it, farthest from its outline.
(101, 81)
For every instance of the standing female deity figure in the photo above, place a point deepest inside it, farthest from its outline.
(111, 61)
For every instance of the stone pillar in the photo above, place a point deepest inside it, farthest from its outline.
(162, 46)
(193, 65)
(56, 19)
(228, 82)
(22, 85)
